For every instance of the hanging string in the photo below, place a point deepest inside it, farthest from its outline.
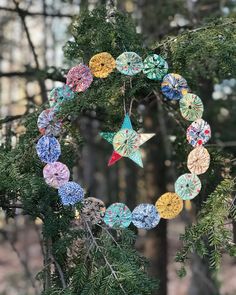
(124, 106)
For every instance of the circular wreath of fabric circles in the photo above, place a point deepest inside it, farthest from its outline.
(198, 133)
(174, 86)
(56, 174)
(79, 78)
(145, 216)
(126, 142)
(102, 64)
(129, 63)
(191, 107)
(155, 67)
(60, 94)
(118, 215)
(93, 210)
(188, 186)
(48, 149)
(198, 160)
(48, 124)
(169, 205)
(71, 193)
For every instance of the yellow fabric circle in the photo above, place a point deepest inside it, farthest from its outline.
(102, 64)
(169, 205)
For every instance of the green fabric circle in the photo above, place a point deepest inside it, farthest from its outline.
(191, 107)
(155, 67)
(188, 186)
(126, 142)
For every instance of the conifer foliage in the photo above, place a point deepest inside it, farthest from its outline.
(81, 259)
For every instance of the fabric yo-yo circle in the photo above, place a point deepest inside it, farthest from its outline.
(191, 107)
(174, 86)
(129, 63)
(118, 215)
(145, 216)
(169, 205)
(102, 64)
(188, 186)
(79, 78)
(48, 149)
(93, 210)
(56, 174)
(155, 67)
(71, 193)
(198, 160)
(198, 133)
(126, 142)
(60, 94)
(47, 124)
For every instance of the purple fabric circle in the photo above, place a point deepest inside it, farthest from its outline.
(47, 124)
(48, 149)
(79, 78)
(71, 193)
(56, 174)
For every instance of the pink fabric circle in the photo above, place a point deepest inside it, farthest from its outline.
(56, 174)
(79, 78)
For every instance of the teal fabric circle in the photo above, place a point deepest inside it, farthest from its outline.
(155, 67)
(129, 63)
(118, 215)
(188, 186)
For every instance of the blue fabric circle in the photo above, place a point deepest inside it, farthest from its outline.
(145, 216)
(48, 149)
(174, 86)
(71, 193)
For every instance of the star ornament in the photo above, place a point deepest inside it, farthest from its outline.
(126, 142)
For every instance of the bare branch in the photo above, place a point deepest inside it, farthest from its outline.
(34, 74)
(29, 13)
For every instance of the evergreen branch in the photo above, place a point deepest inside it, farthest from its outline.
(113, 272)
(190, 32)
(211, 226)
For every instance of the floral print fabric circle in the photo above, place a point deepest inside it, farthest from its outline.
(188, 186)
(198, 160)
(126, 142)
(174, 86)
(48, 149)
(79, 78)
(198, 133)
(118, 215)
(145, 216)
(102, 64)
(169, 205)
(93, 210)
(56, 174)
(60, 94)
(129, 63)
(48, 124)
(71, 193)
(191, 107)
(155, 67)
